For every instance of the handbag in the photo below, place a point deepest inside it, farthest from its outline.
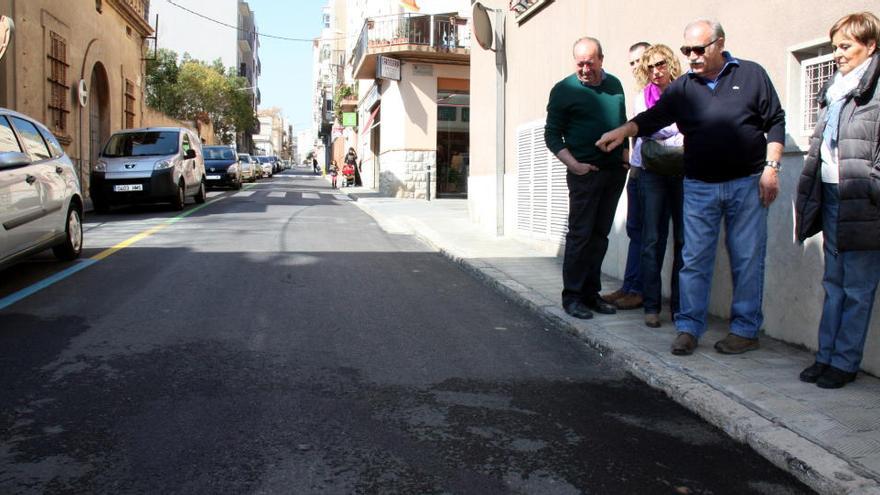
(662, 160)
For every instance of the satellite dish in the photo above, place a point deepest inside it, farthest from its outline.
(482, 26)
(82, 93)
(6, 29)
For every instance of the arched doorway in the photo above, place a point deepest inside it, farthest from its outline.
(99, 111)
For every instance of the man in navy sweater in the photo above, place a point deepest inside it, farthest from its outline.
(734, 129)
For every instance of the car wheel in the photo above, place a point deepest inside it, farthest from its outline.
(179, 201)
(71, 248)
(201, 196)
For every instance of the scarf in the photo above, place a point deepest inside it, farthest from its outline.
(652, 94)
(837, 94)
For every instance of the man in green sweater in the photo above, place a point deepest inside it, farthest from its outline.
(581, 108)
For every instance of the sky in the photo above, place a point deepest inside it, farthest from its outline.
(286, 78)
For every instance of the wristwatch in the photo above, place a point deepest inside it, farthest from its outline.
(775, 165)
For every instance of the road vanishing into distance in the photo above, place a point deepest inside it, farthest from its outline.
(276, 340)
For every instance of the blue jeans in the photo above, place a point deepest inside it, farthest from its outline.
(632, 277)
(850, 281)
(661, 199)
(706, 204)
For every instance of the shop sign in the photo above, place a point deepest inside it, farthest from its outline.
(349, 119)
(337, 131)
(388, 68)
(371, 97)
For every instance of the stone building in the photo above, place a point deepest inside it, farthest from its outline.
(60, 46)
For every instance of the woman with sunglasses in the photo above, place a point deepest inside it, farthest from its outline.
(660, 195)
(839, 195)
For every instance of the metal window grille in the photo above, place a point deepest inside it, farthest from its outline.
(58, 87)
(129, 104)
(815, 71)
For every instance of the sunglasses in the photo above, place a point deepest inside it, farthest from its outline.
(699, 50)
(661, 64)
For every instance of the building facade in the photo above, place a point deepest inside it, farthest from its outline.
(413, 93)
(531, 201)
(58, 48)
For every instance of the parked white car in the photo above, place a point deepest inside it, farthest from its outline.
(41, 204)
(155, 165)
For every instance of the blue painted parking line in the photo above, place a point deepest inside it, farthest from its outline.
(46, 282)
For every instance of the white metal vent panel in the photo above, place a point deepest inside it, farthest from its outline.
(542, 194)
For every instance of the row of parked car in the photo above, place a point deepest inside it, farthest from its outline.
(41, 201)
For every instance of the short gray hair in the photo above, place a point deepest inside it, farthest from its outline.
(717, 30)
(590, 39)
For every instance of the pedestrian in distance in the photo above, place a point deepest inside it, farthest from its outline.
(351, 158)
(629, 296)
(315, 165)
(580, 108)
(732, 147)
(334, 172)
(839, 195)
(660, 191)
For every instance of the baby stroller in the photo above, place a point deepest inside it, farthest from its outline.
(348, 175)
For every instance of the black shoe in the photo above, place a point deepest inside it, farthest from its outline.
(578, 310)
(835, 378)
(599, 305)
(813, 372)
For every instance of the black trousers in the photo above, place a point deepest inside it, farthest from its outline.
(592, 202)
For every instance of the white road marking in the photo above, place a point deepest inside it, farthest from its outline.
(243, 194)
(308, 195)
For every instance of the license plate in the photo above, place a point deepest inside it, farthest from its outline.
(128, 187)
(213, 177)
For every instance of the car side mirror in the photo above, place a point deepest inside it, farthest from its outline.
(190, 153)
(13, 159)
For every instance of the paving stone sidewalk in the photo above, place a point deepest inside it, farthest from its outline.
(829, 439)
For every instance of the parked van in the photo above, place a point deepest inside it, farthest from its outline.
(149, 165)
(41, 205)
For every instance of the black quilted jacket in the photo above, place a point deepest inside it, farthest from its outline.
(859, 163)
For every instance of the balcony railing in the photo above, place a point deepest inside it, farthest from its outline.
(445, 32)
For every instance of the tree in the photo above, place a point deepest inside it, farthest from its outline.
(192, 90)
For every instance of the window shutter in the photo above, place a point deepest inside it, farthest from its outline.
(542, 194)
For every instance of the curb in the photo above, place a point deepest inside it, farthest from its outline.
(820, 469)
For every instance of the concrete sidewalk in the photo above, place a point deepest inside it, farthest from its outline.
(829, 439)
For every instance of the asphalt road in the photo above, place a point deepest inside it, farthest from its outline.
(277, 341)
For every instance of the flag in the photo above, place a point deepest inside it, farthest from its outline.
(409, 5)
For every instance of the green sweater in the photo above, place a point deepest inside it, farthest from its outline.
(578, 115)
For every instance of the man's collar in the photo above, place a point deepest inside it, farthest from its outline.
(728, 61)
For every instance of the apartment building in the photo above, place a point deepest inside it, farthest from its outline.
(789, 38)
(77, 66)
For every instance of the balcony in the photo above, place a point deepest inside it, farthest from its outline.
(135, 12)
(443, 38)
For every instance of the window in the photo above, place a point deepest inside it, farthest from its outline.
(129, 104)
(466, 114)
(54, 147)
(326, 20)
(58, 88)
(186, 146)
(446, 114)
(816, 71)
(8, 141)
(32, 139)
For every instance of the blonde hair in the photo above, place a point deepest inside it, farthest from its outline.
(864, 27)
(643, 75)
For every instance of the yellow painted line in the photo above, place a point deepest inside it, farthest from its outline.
(147, 233)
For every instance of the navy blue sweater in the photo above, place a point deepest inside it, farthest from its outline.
(724, 129)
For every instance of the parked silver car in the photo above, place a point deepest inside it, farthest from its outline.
(41, 204)
(250, 168)
(155, 165)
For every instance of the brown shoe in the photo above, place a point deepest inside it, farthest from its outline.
(734, 344)
(652, 320)
(684, 344)
(629, 301)
(610, 298)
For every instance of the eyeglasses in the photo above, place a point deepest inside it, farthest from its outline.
(659, 65)
(699, 50)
